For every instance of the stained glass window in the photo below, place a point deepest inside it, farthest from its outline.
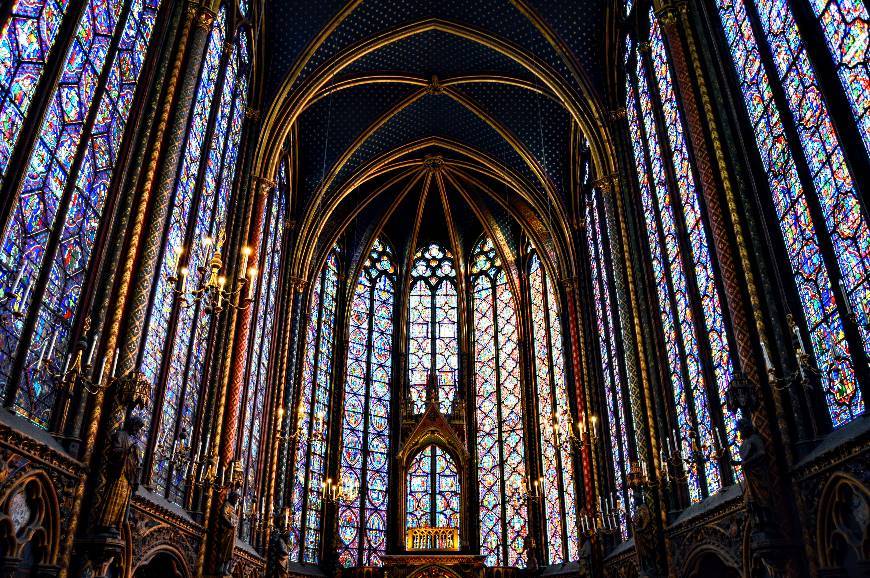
(676, 266)
(433, 328)
(559, 478)
(608, 337)
(199, 213)
(500, 436)
(365, 442)
(63, 138)
(832, 184)
(434, 490)
(261, 344)
(846, 26)
(26, 38)
(306, 501)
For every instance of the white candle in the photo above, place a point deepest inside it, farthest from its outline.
(24, 297)
(66, 365)
(183, 273)
(115, 362)
(51, 347)
(92, 352)
(246, 251)
(42, 353)
(17, 280)
(253, 276)
(768, 365)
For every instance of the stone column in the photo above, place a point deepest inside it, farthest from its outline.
(239, 352)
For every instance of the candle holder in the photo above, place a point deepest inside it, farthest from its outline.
(531, 491)
(605, 518)
(578, 434)
(211, 286)
(339, 492)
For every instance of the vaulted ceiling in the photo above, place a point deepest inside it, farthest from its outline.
(367, 93)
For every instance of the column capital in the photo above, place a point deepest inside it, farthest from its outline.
(616, 114)
(204, 16)
(607, 183)
(262, 185)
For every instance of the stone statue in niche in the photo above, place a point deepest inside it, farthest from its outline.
(644, 535)
(121, 472)
(757, 483)
(225, 534)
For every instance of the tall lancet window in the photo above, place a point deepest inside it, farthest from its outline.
(309, 461)
(178, 335)
(365, 442)
(609, 337)
(500, 435)
(60, 194)
(433, 328)
(559, 477)
(26, 39)
(689, 298)
(846, 26)
(824, 226)
(263, 342)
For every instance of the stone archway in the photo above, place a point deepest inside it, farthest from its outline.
(843, 527)
(162, 564)
(707, 562)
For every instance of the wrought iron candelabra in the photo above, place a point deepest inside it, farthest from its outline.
(342, 491)
(210, 288)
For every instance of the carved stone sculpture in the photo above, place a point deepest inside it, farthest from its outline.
(225, 534)
(121, 472)
(756, 476)
(644, 536)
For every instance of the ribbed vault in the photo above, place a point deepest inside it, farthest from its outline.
(480, 104)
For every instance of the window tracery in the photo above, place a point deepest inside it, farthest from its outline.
(433, 328)
(64, 188)
(831, 186)
(559, 476)
(500, 431)
(365, 441)
(309, 460)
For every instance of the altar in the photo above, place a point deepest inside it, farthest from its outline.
(433, 565)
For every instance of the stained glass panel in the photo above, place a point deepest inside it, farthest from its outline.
(310, 454)
(187, 355)
(710, 301)
(26, 38)
(559, 484)
(433, 490)
(433, 327)
(500, 436)
(846, 26)
(608, 336)
(843, 216)
(61, 136)
(365, 429)
(261, 344)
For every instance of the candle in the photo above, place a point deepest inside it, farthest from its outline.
(42, 353)
(246, 252)
(92, 352)
(115, 362)
(66, 365)
(177, 251)
(221, 282)
(765, 356)
(102, 369)
(24, 297)
(252, 272)
(51, 347)
(17, 280)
